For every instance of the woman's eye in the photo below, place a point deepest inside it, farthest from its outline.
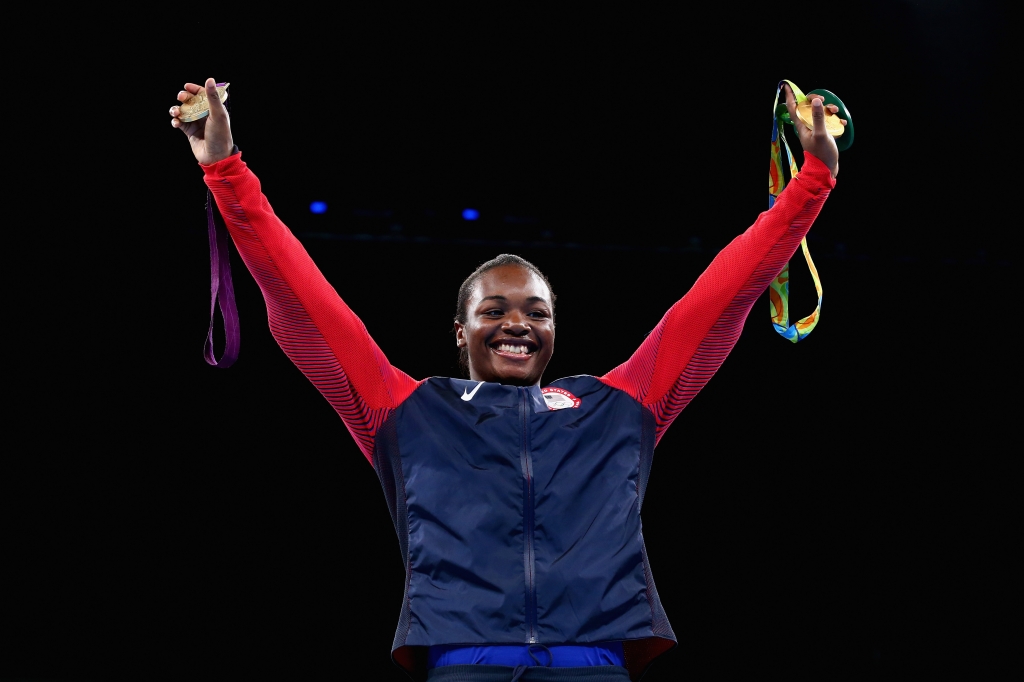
(538, 314)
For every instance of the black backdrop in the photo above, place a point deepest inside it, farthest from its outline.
(833, 507)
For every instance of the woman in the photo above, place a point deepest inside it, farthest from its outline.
(517, 507)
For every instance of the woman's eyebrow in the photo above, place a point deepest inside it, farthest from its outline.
(499, 297)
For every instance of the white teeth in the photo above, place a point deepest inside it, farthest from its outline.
(509, 348)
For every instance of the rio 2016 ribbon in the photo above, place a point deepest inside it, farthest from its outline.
(778, 290)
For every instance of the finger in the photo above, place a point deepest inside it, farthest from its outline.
(217, 110)
(818, 116)
(833, 108)
(193, 88)
(183, 95)
(175, 112)
(843, 121)
(790, 101)
(175, 123)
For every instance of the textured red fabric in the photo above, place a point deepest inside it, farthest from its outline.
(330, 345)
(314, 327)
(690, 343)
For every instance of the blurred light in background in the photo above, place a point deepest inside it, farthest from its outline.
(470, 214)
(318, 207)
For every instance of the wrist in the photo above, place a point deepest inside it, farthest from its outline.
(817, 171)
(212, 161)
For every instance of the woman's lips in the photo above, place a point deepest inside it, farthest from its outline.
(513, 349)
(521, 357)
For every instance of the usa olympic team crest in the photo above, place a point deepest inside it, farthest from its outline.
(559, 398)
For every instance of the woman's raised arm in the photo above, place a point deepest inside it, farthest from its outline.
(692, 340)
(311, 323)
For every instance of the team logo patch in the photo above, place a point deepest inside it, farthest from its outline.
(559, 398)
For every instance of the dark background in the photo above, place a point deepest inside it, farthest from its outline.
(833, 508)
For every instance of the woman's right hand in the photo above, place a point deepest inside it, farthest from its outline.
(210, 136)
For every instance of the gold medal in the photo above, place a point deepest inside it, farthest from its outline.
(196, 106)
(804, 111)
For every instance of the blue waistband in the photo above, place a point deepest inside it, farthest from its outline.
(559, 656)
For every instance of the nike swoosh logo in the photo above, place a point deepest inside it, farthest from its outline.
(469, 396)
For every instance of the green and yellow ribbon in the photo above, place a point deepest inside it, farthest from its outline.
(778, 290)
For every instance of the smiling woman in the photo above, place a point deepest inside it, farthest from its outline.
(505, 322)
(517, 506)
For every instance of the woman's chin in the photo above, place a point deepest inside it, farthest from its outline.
(521, 375)
(518, 371)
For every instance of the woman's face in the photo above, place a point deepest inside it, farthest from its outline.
(510, 327)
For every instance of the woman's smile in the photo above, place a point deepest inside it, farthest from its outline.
(514, 349)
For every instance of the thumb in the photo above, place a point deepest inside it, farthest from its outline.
(218, 112)
(817, 115)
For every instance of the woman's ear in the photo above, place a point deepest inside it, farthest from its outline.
(460, 335)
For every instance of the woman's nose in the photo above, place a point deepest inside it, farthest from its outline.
(516, 324)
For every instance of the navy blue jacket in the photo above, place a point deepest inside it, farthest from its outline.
(519, 523)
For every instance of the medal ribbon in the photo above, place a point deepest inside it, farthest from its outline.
(778, 290)
(222, 290)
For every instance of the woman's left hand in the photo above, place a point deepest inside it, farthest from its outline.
(209, 136)
(817, 141)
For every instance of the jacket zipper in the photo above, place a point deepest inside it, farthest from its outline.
(526, 460)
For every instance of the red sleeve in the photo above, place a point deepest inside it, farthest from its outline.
(693, 338)
(314, 327)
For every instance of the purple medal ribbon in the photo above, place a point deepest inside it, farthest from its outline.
(222, 292)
